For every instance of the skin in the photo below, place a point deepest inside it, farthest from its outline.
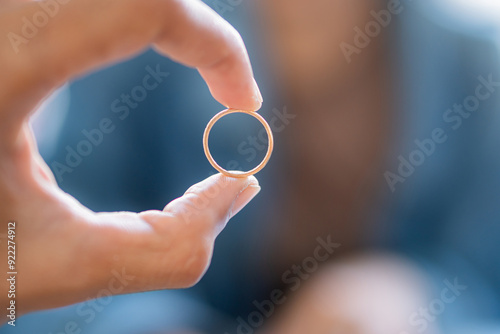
(67, 253)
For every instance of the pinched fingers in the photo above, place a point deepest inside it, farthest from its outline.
(51, 41)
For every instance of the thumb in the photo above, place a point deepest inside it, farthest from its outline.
(213, 201)
(178, 249)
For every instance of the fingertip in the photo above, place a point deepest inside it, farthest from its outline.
(243, 93)
(236, 194)
(231, 82)
(215, 200)
(246, 195)
(250, 100)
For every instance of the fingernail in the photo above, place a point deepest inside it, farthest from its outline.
(244, 198)
(257, 93)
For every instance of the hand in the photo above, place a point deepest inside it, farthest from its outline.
(67, 253)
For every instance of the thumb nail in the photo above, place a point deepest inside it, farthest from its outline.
(244, 198)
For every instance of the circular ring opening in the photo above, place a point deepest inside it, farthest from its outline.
(232, 173)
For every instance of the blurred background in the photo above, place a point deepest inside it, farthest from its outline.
(380, 208)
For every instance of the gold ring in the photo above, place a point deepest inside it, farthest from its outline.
(209, 155)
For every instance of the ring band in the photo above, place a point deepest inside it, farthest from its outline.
(209, 155)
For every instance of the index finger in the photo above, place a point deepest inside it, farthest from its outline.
(86, 34)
